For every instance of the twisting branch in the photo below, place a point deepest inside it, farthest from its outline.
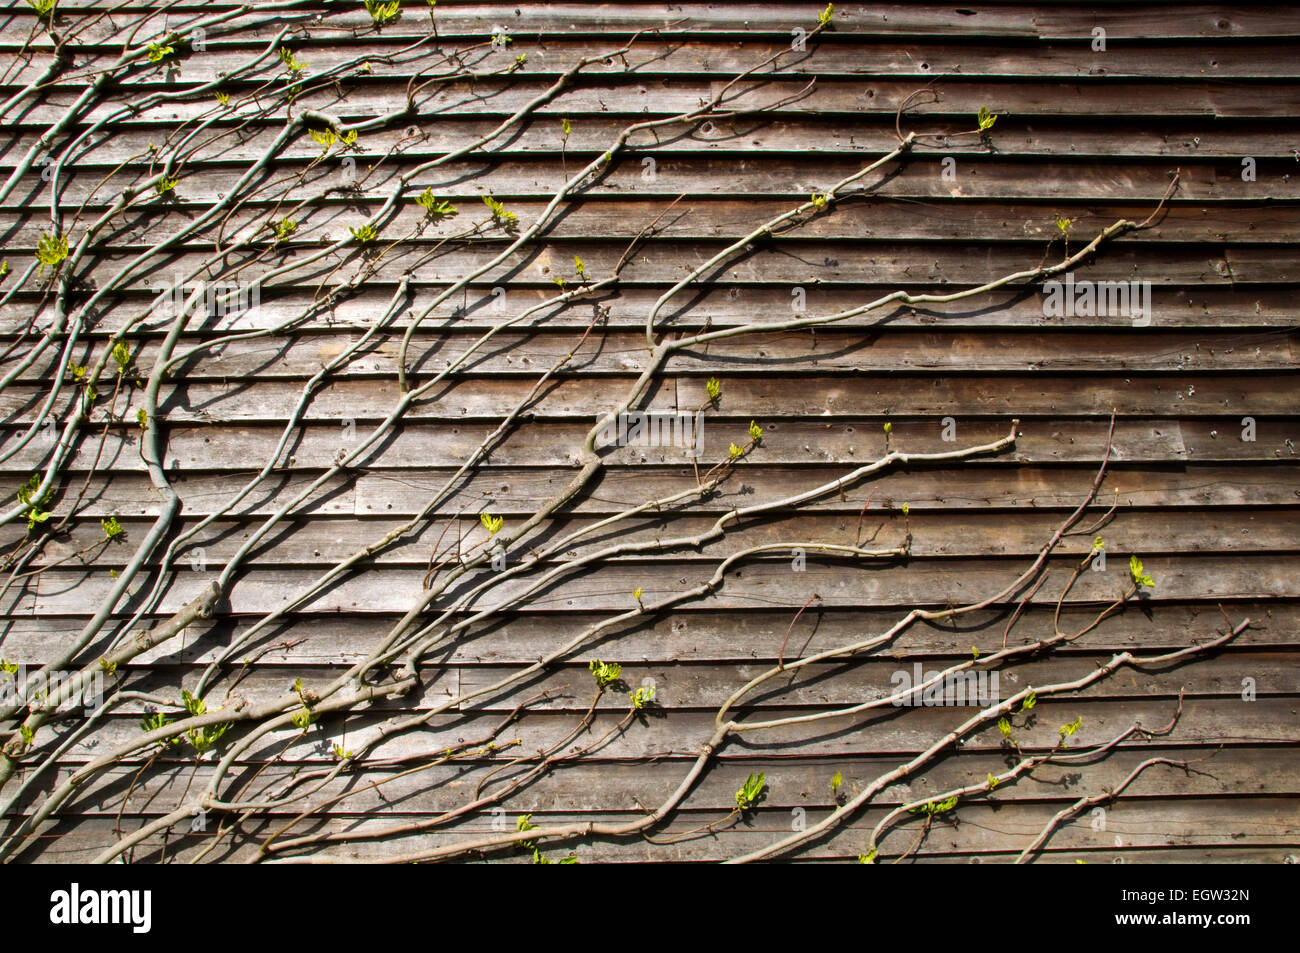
(250, 229)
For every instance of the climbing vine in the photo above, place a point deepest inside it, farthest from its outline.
(275, 226)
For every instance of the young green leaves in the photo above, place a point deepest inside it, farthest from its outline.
(51, 249)
(327, 137)
(826, 15)
(37, 512)
(383, 13)
(735, 452)
(985, 118)
(284, 228)
(201, 739)
(166, 187)
(121, 355)
(44, 8)
(525, 823)
(750, 792)
(159, 52)
(365, 235)
(302, 718)
(641, 697)
(1140, 577)
(294, 65)
(539, 858)
(491, 523)
(1004, 724)
(605, 673)
(434, 207)
(934, 808)
(154, 721)
(579, 266)
(112, 528)
(1065, 731)
(713, 389)
(193, 705)
(500, 214)
(296, 68)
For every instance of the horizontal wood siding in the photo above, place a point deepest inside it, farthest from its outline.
(1092, 136)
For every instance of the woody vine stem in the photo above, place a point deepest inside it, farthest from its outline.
(84, 339)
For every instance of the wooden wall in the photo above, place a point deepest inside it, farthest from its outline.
(1089, 135)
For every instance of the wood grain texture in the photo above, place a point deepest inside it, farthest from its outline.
(1203, 468)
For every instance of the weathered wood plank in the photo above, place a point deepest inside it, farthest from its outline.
(322, 542)
(786, 441)
(1000, 20)
(477, 309)
(754, 137)
(82, 845)
(834, 55)
(831, 350)
(767, 582)
(864, 222)
(631, 95)
(789, 262)
(85, 844)
(1264, 724)
(706, 687)
(536, 179)
(515, 491)
(803, 783)
(692, 634)
(1090, 135)
(770, 397)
